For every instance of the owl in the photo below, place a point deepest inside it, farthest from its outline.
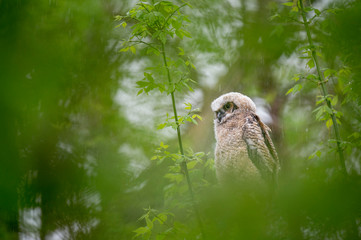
(244, 150)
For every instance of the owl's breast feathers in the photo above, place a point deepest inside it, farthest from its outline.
(232, 159)
(260, 148)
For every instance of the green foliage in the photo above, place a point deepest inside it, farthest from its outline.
(325, 112)
(155, 24)
(81, 155)
(161, 21)
(158, 21)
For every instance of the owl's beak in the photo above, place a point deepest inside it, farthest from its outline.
(220, 115)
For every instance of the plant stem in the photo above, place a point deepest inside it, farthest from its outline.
(183, 163)
(324, 89)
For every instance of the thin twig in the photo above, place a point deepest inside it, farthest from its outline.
(172, 14)
(323, 88)
(184, 163)
(148, 44)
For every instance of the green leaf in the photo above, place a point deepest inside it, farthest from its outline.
(295, 89)
(132, 49)
(334, 101)
(124, 49)
(296, 77)
(288, 4)
(149, 223)
(118, 18)
(162, 145)
(141, 231)
(328, 110)
(289, 91)
(181, 51)
(294, 9)
(124, 24)
(140, 92)
(327, 73)
(320, 101)
(161, 126)
(160, 236)
(319, 54)
(194, 121)
(188, 106)
(311, 63)
(311, 77)
(149, 77)
(178, 33)
(174, 177)
(191, 165)
(197, 116)
(273, 17)
(319, 113)
(329, 123)
(317, 12)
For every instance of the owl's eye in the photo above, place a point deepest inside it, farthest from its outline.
(227, 106)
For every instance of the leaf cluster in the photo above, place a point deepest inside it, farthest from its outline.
(153, 23)
(191, 116)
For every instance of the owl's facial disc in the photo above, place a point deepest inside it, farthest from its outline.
(227, 108)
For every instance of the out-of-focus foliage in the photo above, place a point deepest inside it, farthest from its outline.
(84, 157)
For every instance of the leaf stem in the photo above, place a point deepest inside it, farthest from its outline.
(323, 88)
(183, 164)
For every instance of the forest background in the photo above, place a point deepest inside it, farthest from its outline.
(89, 148)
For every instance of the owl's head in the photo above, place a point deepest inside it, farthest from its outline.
(228, 104)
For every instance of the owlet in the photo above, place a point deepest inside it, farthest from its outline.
(244, 150)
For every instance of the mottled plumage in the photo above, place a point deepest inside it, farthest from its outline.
(244, 150)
